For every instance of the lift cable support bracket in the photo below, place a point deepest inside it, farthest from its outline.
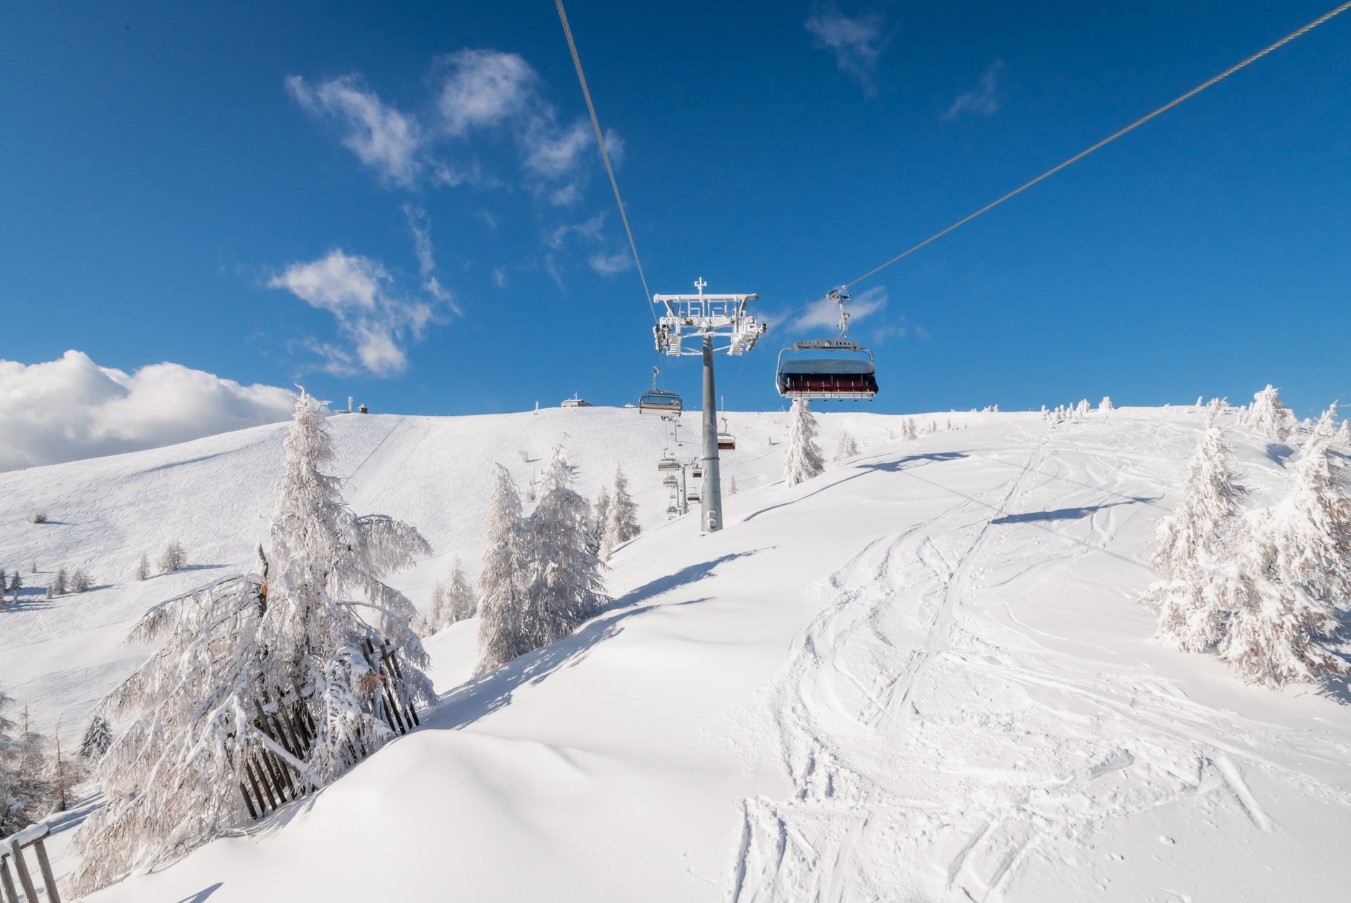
(721, 317)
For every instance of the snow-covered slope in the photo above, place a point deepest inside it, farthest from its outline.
(922, 675)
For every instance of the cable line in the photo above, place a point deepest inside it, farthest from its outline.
(1104, 142)
(605, 154)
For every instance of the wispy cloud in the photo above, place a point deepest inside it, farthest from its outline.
(420, 225)
(382, 138)
(980, 100)
(610, 264)
(377, 320)
(590, 230)
(856, 41)
(72, 408)
(500, 277)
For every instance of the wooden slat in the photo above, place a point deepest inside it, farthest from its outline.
(53, 895)
(21, 869)
(10, 895)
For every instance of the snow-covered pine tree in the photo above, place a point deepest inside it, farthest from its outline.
(908, 430)
(1215, 408)
(565, 586)
(98, 736)
(80, 581)
(621, 522)
(731, 484)
(1269, 415)
(65, 773)
(172, 777)
(1193, 592)
(803, 460)
(1297, 573)
(1083, 409)
(847, 447)
(452, 603)
(598, 521)
(502, 632)
(1344, 434)
(58, 585)
(142, 571)
(1106, 406)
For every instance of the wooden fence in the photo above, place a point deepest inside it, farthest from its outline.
(271, 780)
(11, 850)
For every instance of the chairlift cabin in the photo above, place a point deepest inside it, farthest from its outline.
(659, 401)
(836, 369)
(726, 441)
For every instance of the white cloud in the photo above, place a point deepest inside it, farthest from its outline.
(609, 264)
(981, 99)
(71, 408)
(377, 320)
(421, 227)
(824, 315)
(483, 88)
(381, 137)
(552, 152)
(856, 42)
(499, 277)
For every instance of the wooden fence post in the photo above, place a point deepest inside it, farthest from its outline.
(53, 895)
(9, 894)
(21, 869)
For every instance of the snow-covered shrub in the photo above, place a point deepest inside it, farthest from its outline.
(1269, 415)
(38, 517)
(1216, 407)
(803, 460)
(1106, 406)
(80, 581)
(172, 778)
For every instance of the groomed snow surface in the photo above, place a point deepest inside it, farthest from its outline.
(922, 675)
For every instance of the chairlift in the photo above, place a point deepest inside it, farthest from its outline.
(698, 472)
(668, 464)
(670, 482)
(693, 496)
(849, 372)
(659, 401)
(726, 441)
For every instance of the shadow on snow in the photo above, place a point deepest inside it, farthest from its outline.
(1067, 513)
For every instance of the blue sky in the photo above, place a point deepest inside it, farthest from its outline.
(405, 203)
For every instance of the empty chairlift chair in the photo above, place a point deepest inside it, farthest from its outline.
(726, 441)
(659, 401)
(835, 369)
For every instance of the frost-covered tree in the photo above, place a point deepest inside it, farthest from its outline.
(731, 484)
(1194, 592)
(803, 460)
(142, 571)
(539, 581)
(1106, 406)
(98, 736)
(1083, 409)
(64, 774)
(621, 521)
(25, 790)
(847, 447)
(80, 581)
(908, 429)
(172, 778)
(451, 603)
(598, 521)
(502, 632)
(172, 558)
(15, 584)
(1215, 407)
(1298, 574)
(1269, 415)
(58, 585)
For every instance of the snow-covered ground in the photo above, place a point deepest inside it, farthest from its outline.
(922, 675)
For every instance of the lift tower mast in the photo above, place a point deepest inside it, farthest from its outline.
(708, 318)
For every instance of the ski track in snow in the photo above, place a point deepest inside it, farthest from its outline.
(914, 625)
